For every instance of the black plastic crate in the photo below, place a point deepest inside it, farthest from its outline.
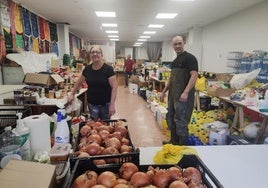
(132, 156)
(82, 165)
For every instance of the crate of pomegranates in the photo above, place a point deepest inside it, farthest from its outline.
(189, 172)
(100, 138)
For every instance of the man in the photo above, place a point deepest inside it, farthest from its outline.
(128, 67)
(184, 72)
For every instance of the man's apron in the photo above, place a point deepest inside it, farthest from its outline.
(179, 113)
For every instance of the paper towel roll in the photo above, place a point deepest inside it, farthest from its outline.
(39, 126)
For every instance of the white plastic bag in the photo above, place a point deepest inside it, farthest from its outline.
(239, 81)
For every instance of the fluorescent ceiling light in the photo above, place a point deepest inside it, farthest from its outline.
(113, 36)
(114, 32)
(149, 32)
(182, 0)
(109, 25)
(145, 37)
(166, 15)
(155, 26)
(114, 39)
(138, 43)
(142, 39)
(105, 14)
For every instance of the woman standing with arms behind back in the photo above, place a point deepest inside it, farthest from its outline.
(102, 86)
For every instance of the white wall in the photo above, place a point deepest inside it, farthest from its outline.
(168, 53)
(141, 53)
(245, 31)
(108, 51)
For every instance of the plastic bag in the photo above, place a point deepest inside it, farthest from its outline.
(239, 81)
(201, 84)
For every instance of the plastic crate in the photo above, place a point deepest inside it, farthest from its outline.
(126, 157)
(208, 178)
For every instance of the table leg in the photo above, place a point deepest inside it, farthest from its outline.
(259, 138)
(197, 101)
(235, 121)
(241, 117)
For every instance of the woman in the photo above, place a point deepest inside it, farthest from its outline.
(102, 86)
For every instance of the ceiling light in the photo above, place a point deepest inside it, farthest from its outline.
(115, 39)
(149, 32)
(115, 32)
(142, 39)
(105, 14)
(138, 43)
(155, 26)
(145, 37)
(166, 15)
(182, 0)
(113, 36)
(109, 25)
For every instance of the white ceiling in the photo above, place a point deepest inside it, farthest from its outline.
(133, 16)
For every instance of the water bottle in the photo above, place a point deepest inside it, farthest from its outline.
(62, 132)
(9, 143)
(48, 66)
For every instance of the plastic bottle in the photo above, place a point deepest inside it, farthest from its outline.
(62, 132)
(48, 66)
(9, 143)
(24, 133)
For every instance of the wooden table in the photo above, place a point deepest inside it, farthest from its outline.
(36, 109)
(238, 121)
(155, 81)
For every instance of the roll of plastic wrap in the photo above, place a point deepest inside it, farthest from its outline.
(39, 126)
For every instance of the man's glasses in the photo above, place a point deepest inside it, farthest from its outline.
(95, 52)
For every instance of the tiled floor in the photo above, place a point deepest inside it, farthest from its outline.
(142, 126)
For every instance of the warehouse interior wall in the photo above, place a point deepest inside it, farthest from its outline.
(245, 31)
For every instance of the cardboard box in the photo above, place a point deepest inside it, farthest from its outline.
(220, 92)
(27, 174)
(224, 77)
(42, 79)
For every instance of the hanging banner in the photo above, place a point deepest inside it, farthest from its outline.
(8, 39)
(4, 15)
(19, 41)
(35, 45)
(28, 43)
(41, 28)
(2, 48)
(18, 19)
(26, 22)
(11, 5)
(55, 48)
(34, 25)
(53, 32)
(46, 31)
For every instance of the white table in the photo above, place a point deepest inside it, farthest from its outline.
(236, 166)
